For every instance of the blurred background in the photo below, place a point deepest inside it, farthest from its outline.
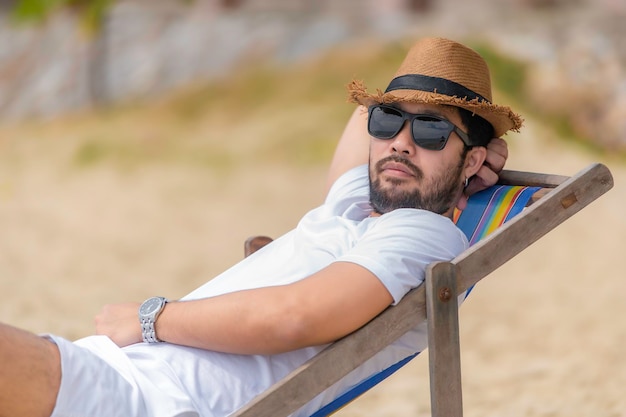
(141, 142)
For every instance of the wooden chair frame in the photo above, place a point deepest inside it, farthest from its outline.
(435, 301)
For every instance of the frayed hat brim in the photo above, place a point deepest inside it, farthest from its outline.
(502, 118)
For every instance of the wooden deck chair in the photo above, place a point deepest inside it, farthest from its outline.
(552, 200)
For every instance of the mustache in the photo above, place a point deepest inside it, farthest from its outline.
(401, 160)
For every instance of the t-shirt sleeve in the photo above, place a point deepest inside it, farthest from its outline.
(398, 247)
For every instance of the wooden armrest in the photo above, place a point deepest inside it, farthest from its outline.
(254, 243)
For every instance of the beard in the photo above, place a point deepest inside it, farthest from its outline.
(438, 196)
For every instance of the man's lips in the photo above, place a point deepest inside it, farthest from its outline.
(397, 169)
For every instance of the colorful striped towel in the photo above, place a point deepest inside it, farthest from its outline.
(489, 209)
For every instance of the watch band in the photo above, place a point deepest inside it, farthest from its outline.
(149, 311)
(148, 332)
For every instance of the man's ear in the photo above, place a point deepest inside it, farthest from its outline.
(474, 160)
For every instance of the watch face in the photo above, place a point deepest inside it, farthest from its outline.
(150, 306)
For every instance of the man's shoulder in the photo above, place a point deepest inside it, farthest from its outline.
(411, 217)
(422, 225)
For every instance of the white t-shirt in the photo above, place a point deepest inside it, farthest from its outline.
(396, 247)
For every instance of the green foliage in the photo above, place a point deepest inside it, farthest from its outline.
(92, 12)
(130, 153)
(35, 10)
(508, 75)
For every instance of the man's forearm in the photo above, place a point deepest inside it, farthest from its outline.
(245, 322)
(258, 321)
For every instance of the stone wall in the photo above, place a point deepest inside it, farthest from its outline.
(575, 48)
(147, 47)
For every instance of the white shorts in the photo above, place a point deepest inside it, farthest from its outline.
(99, 380)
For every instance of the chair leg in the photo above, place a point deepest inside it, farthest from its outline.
(444, 355)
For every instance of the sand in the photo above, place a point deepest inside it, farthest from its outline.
(542, 336)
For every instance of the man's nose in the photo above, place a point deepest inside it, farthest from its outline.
(403, 141)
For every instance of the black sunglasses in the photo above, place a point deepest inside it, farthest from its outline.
(428, 131)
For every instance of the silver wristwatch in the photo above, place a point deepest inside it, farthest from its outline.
(148, 313)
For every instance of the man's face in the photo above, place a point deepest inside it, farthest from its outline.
(403, 175)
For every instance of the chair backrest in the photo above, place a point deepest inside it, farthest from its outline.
(485, 212)
(345, 355)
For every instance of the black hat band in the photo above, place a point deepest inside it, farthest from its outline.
(433, 85)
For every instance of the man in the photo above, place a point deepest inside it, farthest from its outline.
(382, 223)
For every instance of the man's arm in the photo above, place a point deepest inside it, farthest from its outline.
(353, 147)
(314, 311)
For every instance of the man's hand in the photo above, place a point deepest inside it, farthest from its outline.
(487, 175)
(120, 322)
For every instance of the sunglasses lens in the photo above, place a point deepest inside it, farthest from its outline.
(431, 133)
(384, 122)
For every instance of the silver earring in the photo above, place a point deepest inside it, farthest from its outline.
(466, 182)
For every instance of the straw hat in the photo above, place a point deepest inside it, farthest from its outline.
(441, 71)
